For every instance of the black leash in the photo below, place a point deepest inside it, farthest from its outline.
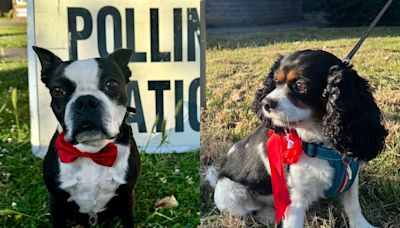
(371, 26)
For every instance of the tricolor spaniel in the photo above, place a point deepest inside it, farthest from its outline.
(332, 110)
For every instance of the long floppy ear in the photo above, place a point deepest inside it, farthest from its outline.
(353, 123)
(269, 85)
(121, 58)
(48, 61)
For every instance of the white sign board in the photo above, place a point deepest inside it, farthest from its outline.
(166, 65)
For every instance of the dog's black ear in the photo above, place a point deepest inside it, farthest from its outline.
(353, 123)
(48, 61)
(269, 85)
(121, 57)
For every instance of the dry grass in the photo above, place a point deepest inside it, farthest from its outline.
(236, 64)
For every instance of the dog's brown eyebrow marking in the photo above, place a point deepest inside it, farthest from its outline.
(291, 75)
(280, 75)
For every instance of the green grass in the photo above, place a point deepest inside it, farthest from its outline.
(159, 179)
(236, 65)
(13, 36)
(23, 196)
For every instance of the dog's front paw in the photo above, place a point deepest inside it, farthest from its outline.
(265, 216)
(361, 223)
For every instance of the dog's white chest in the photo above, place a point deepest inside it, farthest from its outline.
(91, 185)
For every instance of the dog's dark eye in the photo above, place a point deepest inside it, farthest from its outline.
(112, 85)
(57, 92)
(301, 87)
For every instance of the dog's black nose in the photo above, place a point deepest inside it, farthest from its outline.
(86, 103)
(270, 104)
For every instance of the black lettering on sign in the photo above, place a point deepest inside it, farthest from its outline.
(159, 87)
(193, 28)
(193, 121)
(178, 35)
(156, 55)
(138, 117)
(101, 29)
(130, 37)
(179, 106)
(76, 35)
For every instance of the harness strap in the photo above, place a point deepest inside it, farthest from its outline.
(346, 168)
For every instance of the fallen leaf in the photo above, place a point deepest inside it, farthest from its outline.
(166, 203)
(238, 96)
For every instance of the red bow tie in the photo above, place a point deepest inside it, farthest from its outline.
(68, 153)
(281, 149)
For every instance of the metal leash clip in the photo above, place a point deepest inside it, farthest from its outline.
(346, 161)
(93, 218)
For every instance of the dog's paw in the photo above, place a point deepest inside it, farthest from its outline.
(265, 216)
(212, 176)
(78, 226)
(361, 223)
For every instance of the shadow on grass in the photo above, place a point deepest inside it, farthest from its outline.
(256, 39)
(12, 34)
(13, 74)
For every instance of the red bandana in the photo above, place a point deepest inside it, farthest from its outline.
(281, 149)
(68, 153)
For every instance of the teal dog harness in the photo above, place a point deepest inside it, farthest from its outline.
(346, 168)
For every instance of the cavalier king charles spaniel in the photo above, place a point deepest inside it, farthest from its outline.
(332, 109)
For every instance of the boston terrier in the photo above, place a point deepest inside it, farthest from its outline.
(92, 164)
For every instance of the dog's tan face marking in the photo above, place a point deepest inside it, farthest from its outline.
(280, 75)
(293, 74)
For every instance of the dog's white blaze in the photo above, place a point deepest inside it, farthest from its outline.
(86, 75)
(285, 111)
(90, 185)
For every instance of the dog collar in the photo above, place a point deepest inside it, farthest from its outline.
(68, 153)
(346, 168)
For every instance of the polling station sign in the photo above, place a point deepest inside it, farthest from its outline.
(167, 64)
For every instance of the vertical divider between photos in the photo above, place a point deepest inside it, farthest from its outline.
(32, 79)
(202, 55)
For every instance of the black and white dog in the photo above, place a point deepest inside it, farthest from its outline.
(328, 104)
(92, 164)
